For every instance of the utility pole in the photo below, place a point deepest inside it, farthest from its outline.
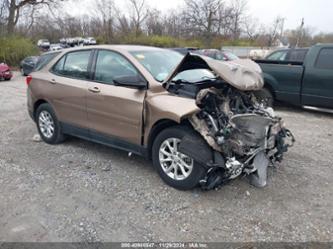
(300, 33)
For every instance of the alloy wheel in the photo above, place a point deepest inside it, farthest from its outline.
(46, 124)
(174, 164)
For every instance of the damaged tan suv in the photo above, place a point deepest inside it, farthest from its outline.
(196, 118)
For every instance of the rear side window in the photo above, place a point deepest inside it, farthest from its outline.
(44, 59)
(111, 65)
(298, 55)
(325, 59)
(74, 65)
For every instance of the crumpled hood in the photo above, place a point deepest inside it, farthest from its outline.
(243, 74)
(4, 67)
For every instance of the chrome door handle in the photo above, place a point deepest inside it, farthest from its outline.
(53, 81)
(94, 89)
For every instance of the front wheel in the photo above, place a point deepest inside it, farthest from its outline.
(176, 169)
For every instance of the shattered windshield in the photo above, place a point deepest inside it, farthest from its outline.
(159, 63)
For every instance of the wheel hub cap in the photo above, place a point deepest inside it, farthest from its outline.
(46, 124)
(175, 164)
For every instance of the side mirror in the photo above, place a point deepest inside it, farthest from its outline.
(136, 81)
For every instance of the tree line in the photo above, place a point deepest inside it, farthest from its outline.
(206, 23)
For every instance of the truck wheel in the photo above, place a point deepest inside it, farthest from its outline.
(176, 169)
(48, 125)
(264, 95)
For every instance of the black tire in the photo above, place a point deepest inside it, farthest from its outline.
(57, 136)
(198, 171)
(264, 95)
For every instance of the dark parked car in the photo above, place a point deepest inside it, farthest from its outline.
(294, 54)
(222, 55)
(28, 64)
(308, 83)
(5, 73)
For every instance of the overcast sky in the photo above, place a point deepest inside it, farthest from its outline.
(317, 13)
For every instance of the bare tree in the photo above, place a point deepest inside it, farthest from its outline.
(238, 10)
(201, 17)
(14, 8)
(251, 28)
(105, 11)
(138, 15)
(274, 30)
(173, 24)
(154, 22)
(124, 26)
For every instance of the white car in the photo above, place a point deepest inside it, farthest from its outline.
(89, 41)
(55, 47)
(43, 43)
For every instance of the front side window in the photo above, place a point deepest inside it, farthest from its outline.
(74, 65)
(278, 56)
(325, 59)
(111, 66)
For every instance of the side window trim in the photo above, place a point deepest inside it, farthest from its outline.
(94, 63)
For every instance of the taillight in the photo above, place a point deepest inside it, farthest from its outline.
(28, 79)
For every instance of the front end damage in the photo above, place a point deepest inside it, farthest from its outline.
(238, 134)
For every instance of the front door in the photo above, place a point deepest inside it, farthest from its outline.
(115, 113)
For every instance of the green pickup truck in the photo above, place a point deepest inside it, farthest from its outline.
(308, 84)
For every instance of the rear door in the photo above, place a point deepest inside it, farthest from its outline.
(115, 113)
(68, 88)
(318, 80)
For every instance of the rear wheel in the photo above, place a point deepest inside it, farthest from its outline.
(176, 169)
(265, 96)
(48, 125)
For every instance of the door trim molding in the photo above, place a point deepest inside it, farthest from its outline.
(103, 139)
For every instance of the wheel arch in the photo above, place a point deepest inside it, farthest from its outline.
(159, 126)
(271, 84)
(36, 105)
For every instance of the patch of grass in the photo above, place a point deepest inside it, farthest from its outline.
(15, 48)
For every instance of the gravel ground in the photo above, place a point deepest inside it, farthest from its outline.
(81, 191)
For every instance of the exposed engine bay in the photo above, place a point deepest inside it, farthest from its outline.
(243, 136)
